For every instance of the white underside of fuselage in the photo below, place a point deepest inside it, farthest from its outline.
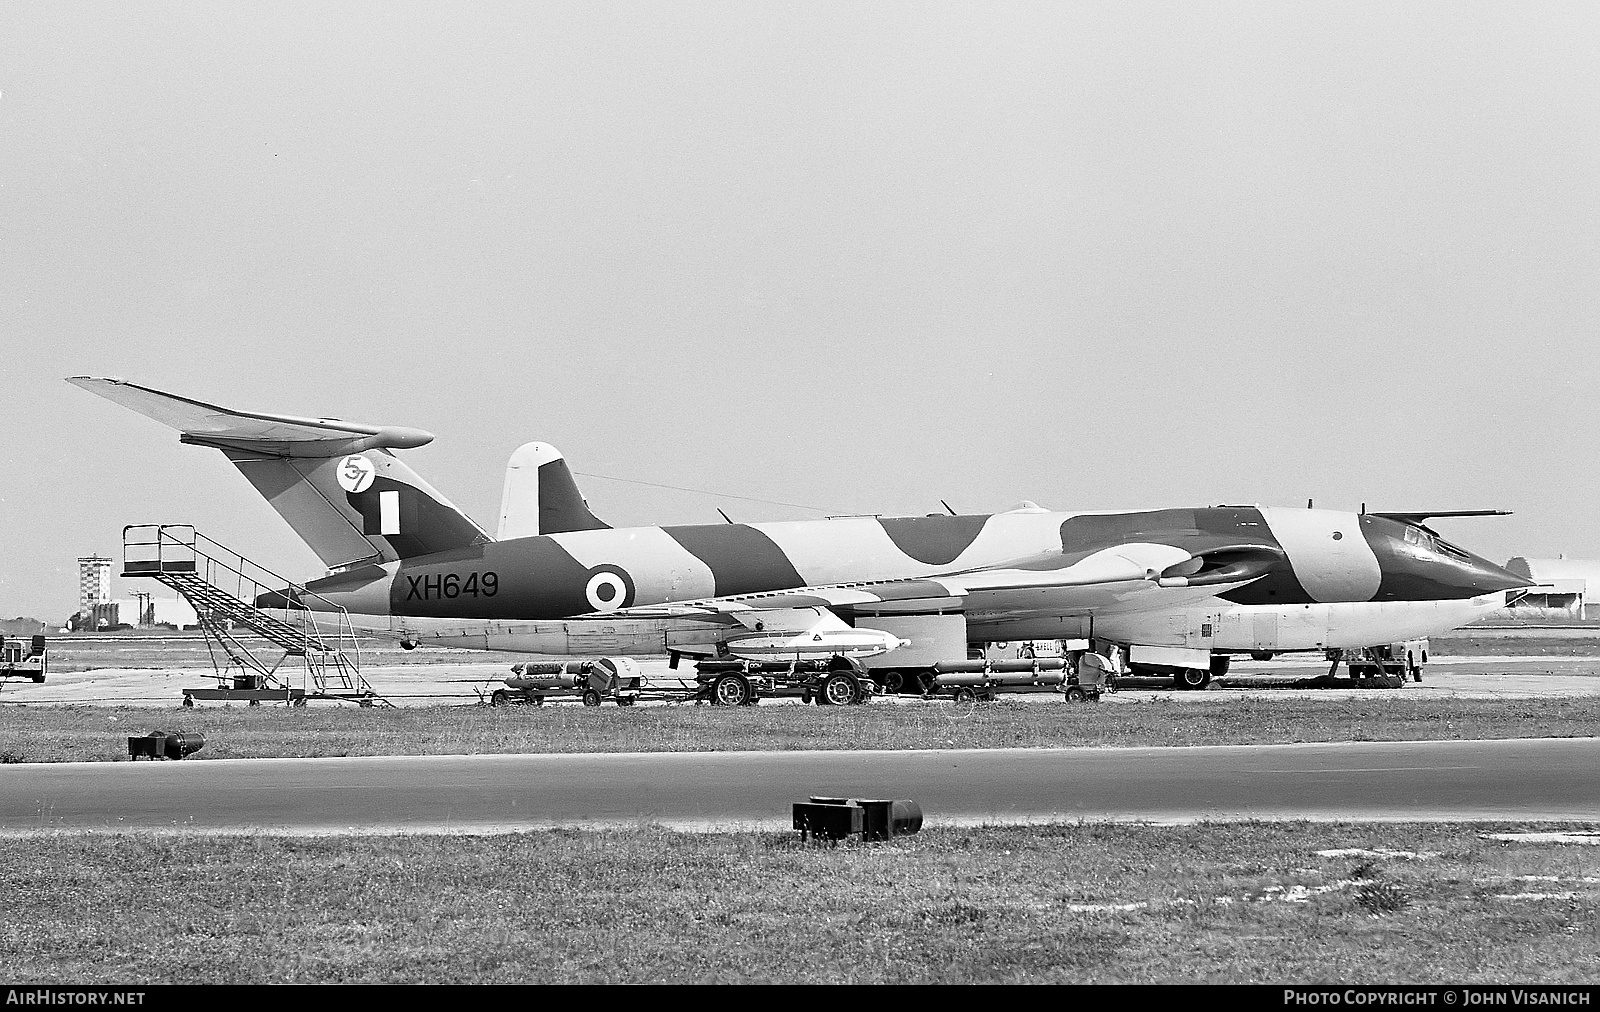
(1194, 620)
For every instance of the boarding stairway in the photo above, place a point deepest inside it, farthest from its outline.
(223, 587)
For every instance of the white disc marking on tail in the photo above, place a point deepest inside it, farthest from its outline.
(356, 473)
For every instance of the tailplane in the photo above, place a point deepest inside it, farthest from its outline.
(337, 483)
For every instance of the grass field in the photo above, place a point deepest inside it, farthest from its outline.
(1069, 903)
(1079, 903)
(56, 734)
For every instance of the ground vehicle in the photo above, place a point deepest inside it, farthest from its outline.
(533, 682)
(720, 683)
(993, 668)
(1386, 662)
(24, 658)
(1385, 665)
(1014, 666)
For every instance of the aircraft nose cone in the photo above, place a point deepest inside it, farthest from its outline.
(1487, 578)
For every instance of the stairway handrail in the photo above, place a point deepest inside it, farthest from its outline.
(211, 579)
(218, 556)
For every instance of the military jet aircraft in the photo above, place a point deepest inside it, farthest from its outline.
(1172, 588)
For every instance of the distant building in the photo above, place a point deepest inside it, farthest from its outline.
(94, 582)
(149, 610)
(95, 608)
(1566, 587)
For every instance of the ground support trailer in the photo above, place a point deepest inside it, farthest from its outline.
(720, 683)
(835, 682)
(592, 681)
(990, 669)
(967, 681)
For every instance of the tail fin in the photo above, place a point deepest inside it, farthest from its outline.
(540, 496)
(335, 482)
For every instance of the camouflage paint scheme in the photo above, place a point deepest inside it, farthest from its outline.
(1159, 577)
(1213, 578)
(1327, 556)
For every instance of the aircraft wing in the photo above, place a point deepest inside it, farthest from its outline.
(1152, 565)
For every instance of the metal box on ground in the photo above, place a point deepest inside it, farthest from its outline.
(165, 745)
(869, 818)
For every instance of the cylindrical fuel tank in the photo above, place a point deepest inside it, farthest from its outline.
(546, 675)
(1041, 663)
(997, 678)
(545, 681)
(533, 669)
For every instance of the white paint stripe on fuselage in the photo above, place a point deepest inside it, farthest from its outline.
(1327, 551)
(662, 570)
(843, 550)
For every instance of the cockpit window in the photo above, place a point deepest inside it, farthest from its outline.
(1428, 541)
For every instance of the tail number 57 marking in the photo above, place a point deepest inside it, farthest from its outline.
(436, 586)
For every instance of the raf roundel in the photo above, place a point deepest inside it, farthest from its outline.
(608, 589)
(356, 473)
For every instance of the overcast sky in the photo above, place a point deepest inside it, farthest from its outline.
(859, 257)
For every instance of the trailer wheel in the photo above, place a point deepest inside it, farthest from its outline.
(1193, 678)
(838, 689)
(1075, 694)
(536, 700)
(730, 690)
(894, 681)
(499, 697)
(591, 697)
(624, 700)
(964, 694)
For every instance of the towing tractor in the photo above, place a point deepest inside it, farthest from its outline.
(24, 658)
(1387, 665)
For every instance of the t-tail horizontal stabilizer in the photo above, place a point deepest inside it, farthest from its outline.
(335, 482)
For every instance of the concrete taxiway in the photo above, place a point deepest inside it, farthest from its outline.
(1518, 779)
